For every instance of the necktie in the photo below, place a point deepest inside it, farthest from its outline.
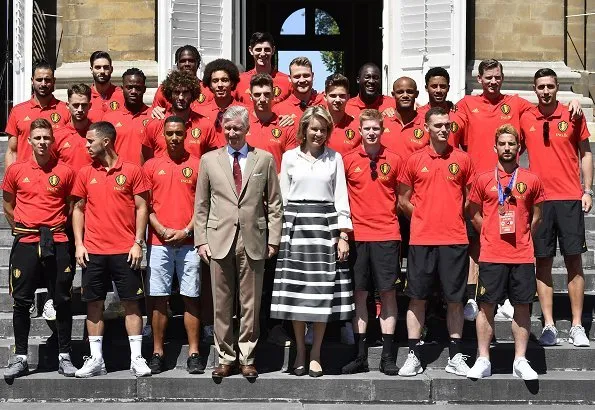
(237, 172)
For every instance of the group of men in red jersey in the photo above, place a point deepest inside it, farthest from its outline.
(430, 160)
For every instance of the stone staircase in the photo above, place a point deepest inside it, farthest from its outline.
(567, 374)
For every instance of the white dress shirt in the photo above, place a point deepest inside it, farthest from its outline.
(241, 159)
(305, 178)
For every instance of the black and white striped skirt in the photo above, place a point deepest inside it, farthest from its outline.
(311, 285)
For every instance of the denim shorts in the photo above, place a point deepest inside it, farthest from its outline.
(163, 261)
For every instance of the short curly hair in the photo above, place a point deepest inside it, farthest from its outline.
(222, 64)
(177, 79)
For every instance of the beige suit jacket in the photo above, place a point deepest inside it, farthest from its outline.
(219, 209)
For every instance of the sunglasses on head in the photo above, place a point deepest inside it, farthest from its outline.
(373, 172)
(176, 133)
(546, 132)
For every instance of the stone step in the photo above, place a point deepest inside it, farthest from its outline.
(43, 355)
(432, 386)
(560, 280)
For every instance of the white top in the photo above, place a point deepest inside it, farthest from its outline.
(305, 178)
(241, 159)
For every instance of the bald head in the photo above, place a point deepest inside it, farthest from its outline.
(405, 92)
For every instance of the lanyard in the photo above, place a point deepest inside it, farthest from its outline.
(502, 196)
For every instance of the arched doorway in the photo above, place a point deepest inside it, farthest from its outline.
(352, 29)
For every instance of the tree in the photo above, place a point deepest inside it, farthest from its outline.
(325, 24)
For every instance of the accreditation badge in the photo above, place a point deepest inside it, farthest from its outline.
(507, 223)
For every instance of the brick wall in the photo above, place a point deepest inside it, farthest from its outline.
(124, 28)
(527, 30)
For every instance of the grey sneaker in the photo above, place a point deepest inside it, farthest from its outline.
(92, 367)
(49, 313)
(17, 367)
(578, 336)
(66, 367)
(471, 310)
(457, 365)
(549, 336)
(139, 367)
(412, 366)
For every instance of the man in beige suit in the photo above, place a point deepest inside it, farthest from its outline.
(237, 185)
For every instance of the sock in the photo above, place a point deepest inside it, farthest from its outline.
(360, 342)
(136, 344)
(22, 356)
(414, 347)
(454, 347)
(96, 346)
(64, 356)
(387, 345)
(471, 289)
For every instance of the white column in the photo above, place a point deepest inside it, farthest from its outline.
(227, 27)
(390, 44)
(164, 15)
(22, 49)
(459, 67)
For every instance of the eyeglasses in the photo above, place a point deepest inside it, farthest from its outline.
(373, 172)
(546, 132)
(172, 133)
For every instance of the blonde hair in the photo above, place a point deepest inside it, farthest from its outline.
(507, 129)
(369, 114)
(318, 112)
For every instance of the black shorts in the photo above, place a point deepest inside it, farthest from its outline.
(375, 265)
(562, 220)
(448, 263)
(497, 281)
(101, 270)
(28, 273)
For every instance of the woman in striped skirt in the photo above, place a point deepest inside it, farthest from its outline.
(312, 280)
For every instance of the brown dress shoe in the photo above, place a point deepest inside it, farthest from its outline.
(223, 370)
(249, 371)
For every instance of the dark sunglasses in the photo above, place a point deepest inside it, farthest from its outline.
(373, 172)
(546, 132)
(172, 133)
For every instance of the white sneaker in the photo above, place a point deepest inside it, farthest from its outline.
(92, 367)
(457, 365)
(505, 311)
(309, 337)
(521, 368)
(347, 337)
(412, 366)
(482, 368)
(471, 310)
(49, 313)
(139, 367)
(578, 336)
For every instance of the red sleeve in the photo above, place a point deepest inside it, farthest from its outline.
(539, 192)
(291, 140)
(147, 133)
(159, 99)
(476, 196)
(582, 130)
(80, 184)
(211, 141)
(407, 175)
(524, 105)
(463, 115)
(148, 169)
(139, 181)
(10, 183)
(470, 171)
(64, 113)
(71, 176)
(11, 125)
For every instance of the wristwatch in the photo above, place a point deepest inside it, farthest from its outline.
(188, 232)
(139, 242)
(344, 236)
(589, 192)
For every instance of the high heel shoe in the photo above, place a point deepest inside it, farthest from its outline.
(300, 370)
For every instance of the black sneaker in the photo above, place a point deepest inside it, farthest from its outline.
(194, 365)
(156, 363)
(389, 366)
(359, 365)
